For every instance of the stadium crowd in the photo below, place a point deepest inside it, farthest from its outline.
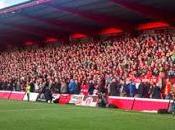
(134, 66)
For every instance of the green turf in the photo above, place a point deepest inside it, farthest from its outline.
(40, 116)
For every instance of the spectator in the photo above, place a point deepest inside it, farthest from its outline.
(72, 86)
(64, 88)
(91, 87)
(167, 89)
(114, 88)
(84, 88)
(140, 91)
(156, 92)
(132, 89)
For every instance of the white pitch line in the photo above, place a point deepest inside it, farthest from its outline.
(32, 109)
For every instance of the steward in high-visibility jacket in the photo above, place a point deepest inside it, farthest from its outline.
(28, 92)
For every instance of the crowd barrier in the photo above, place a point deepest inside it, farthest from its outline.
(17, 96)
(139, 104)
(126, 103)
(12, 95)
(5, 94)
(150, 105)
(121, 102)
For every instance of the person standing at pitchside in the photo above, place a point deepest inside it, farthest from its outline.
(28, 91)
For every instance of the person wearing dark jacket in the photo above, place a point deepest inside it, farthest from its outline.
(114, 88)
(146, 90)
(140, 90)
(91, 88)
(48, 95)
(156, 92)
(56, 86)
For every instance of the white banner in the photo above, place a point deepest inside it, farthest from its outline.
(76, 99)
(90, 101)
(56, 96)
(33, 96)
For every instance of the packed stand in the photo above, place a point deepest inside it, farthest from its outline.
(142, 66)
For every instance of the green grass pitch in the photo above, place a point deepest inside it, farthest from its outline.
(41, 116)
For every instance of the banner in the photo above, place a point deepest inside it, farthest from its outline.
(76, 99)
(64, 99)
(90, 101)
(55, 96)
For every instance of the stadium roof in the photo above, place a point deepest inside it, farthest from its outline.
(38, 20)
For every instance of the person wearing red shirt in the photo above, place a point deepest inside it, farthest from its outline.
(167, 89)
(84, 88)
